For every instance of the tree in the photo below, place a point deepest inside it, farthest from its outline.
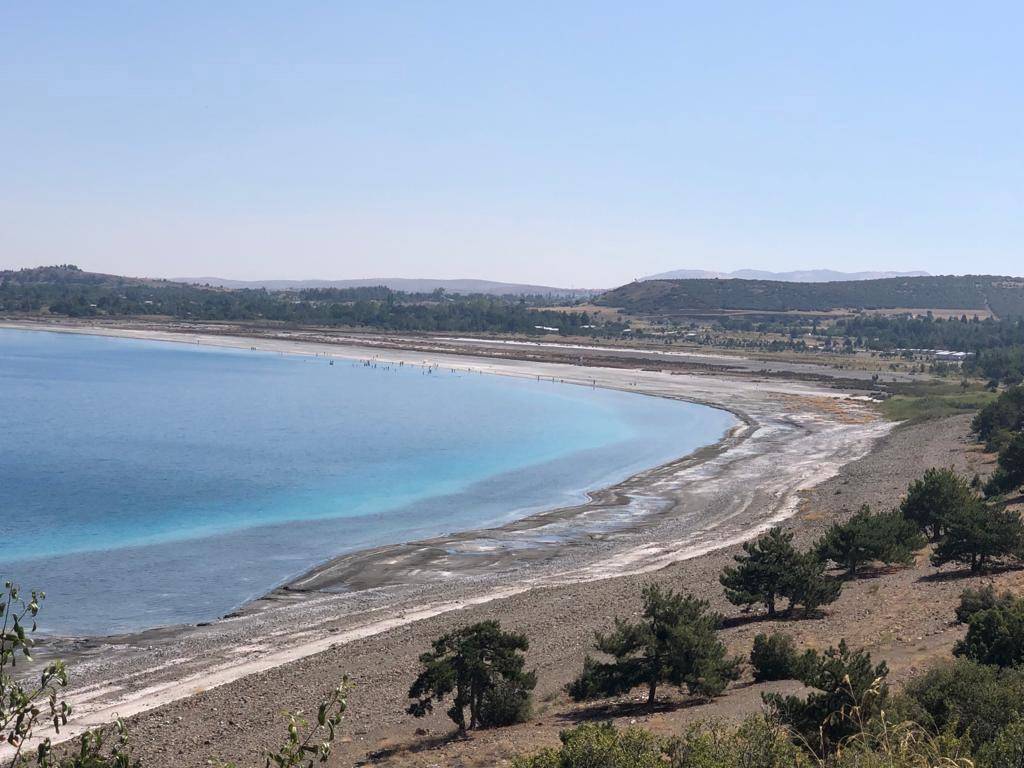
(1009, 475)
(995, 635)
(771, 568)
(674, 642)
(887, 537)
(978, 535)
(473, 663)
(850, 692)
(974, 601)
(933, 498)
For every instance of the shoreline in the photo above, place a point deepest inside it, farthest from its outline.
(713, 498)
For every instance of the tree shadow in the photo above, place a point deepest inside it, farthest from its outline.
(421, 744)
(962, 574)
(611, 710)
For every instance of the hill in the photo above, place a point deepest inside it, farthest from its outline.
(408, 285)
(67, 291)
(1003, 296)
(802, 276)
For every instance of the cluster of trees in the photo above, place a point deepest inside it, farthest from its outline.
(966, 713)
(67, 291)
(1000, 425)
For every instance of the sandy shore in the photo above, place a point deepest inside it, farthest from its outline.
(794, 436)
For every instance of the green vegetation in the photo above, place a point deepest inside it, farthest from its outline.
(673, 643)
(936, 497)
(771, 569)
(996, 423)
(915, 409)
(995, 635)
(69, 292)
(849, 692)
(885, 537)
(485, 668)
(979, 535)
(775, 657)
(1004, 295)
(969, 699)
(973, 601)
(1009, 475)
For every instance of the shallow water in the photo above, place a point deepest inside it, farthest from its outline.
(150, 483)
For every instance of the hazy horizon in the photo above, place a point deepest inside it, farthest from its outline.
(582, 145)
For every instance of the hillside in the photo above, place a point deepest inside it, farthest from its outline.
(1004, 296)
(408, 285)
(67, 291)
(800, 276)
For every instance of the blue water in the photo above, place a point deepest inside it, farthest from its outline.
(148, 483)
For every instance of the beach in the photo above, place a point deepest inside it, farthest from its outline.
(792, 436)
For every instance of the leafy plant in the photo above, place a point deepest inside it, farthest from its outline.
(24, 705)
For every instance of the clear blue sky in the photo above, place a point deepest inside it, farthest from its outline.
(567, 143)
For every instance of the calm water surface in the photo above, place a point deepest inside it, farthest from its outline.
(149, 483)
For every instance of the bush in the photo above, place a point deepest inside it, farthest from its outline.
(979, 535)
(966, 698)
(774, 657)
(850, 693)
(1006, 750)
(599, 746)
(771, 569)
(507, 703)
(936, 496)
(887, 537)
(757, 743)
(973, 601)
(995, 635)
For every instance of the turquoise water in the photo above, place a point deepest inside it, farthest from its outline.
(148, 483)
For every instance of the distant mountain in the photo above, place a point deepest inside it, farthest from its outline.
(801, 276)
(409, 285)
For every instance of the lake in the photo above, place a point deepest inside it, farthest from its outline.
(153, 483)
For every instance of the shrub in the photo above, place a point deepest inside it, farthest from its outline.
(599, 746)
(1006, 750)
(757, 743)
(674, 643)
(849, 693)
(995, 635)
(774, 657)
(471, 662)
(771, 568)
(936, 496)
(966, 698)
(973, 601)
(886, 537)
(979, 535)
(507, 703)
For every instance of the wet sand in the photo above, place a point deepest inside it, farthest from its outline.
(793, 436)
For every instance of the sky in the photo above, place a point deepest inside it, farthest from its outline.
(576, 143)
